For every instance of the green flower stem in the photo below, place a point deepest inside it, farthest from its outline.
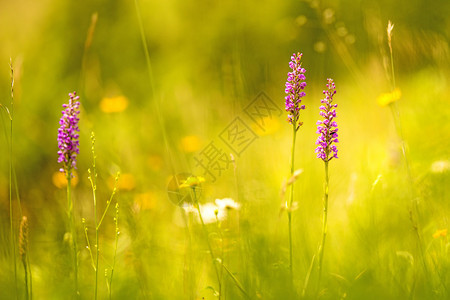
(291, 199)
(94, 194)
(205, 231)
(116, 221)
(72, 231)
(93, 180)
(324, 224)
(219, 229)
(108, 203)
(188, 283)
(88, 242)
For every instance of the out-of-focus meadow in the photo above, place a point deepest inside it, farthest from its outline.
(208, 61)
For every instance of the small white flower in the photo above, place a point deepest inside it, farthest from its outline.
(209, 211)
(440, 166)
(227, 203)
(188, 208)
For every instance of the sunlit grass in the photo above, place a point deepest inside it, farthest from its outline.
(207, 64)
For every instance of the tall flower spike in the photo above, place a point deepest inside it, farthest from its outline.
(295, 85)
(68, 143)
(327, 129)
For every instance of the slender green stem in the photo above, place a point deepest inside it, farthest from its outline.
(152, 85)
(116, 220)
(236, 281)
(392, 66)
(11, 213)
(324, 225)
(93, 179)
(308, 275)
(13, 177)
(144, 44)
(30, 281)
(190, 273)
(109, 202)
(72, 231)
(88, 243)
(205, 231)
(16, 188)
(291, 200)
(219, 229)
(27, 295)
(97, 250)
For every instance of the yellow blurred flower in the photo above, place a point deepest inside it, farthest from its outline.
(145, 201)
(155, 162)
(270, 125)
(190, 143)
(388, 98)
(126, 182)
(60, 181)
(192, 181)
(439, 233)
(113, 104)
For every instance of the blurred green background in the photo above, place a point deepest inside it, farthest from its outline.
(209, 60)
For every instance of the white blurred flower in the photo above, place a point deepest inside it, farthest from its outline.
(188, 208)
(440, 166)
(209, 211)
(227, 203)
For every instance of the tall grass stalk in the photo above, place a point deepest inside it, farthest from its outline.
(116, 243)
(152, 85)
(205, 232)
(83, 221)
(108, 203)
(242, 262)
(11, 213)
(193, 182)
(222, 259)
(12, 177)
(188, 275)
(95, 259)
(308, 276)
(219, 230)
(93, 180)
(414, 210)
(87, 46)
